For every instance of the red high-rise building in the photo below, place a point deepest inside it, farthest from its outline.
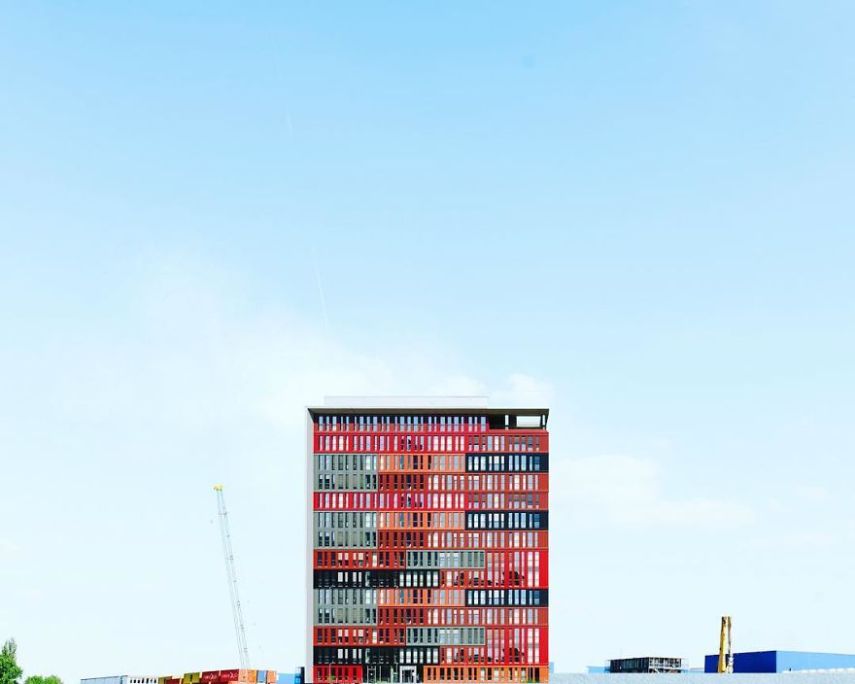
(428, 545)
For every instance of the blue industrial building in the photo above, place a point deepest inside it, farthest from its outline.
(783, 661)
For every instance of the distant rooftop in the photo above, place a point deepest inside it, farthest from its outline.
(408, 406)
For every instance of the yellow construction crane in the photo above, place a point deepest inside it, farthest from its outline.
(725, 646)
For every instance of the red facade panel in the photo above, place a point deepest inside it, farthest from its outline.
(438, 567)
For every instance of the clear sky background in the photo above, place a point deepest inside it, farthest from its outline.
(212, 214)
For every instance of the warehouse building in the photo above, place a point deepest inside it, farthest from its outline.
(784, 661)
(428, 544)
(121, 679)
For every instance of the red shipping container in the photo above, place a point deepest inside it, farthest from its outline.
(228, 675)
(210, 676)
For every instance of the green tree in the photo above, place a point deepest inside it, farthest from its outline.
(10, 673)
(50, 679)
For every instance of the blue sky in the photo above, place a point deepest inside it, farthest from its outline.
(640, 214)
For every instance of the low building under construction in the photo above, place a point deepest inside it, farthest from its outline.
(647, 664)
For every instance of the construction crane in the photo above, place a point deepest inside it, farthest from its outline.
(725, 646)
(237, 613)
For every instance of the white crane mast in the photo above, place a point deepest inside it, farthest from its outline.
(237, 613)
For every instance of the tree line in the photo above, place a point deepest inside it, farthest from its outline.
(10, 671)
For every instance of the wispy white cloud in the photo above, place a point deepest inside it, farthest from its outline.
(808, 539)
(8, 549)
(626, 491)
(524, 390)
(193, 356)
(812, 493)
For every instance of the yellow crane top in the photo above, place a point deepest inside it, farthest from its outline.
(725, 646)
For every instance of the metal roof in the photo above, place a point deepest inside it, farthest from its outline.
(429, 411)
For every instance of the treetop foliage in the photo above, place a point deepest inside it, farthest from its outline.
(10, 671)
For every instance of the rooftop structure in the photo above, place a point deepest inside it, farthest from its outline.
(646, 664)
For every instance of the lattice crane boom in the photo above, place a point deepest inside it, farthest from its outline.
(228, 554)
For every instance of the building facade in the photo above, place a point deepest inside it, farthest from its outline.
(428, 545)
